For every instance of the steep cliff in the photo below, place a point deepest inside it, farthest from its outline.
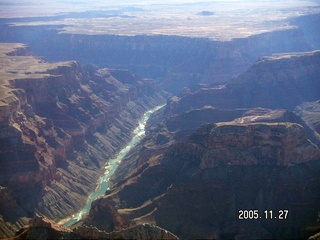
(278, 81)
(196, 187)
(310, 113)
(175, 61)
(60, 124)
(193, 178)
(161, 133)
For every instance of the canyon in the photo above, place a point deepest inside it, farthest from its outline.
(60, 124)
(205, 158)
(239, 131)
(173, 61)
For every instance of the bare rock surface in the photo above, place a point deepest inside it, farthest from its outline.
(310, 113)
(59, 125)
(43, 228)
(282, 81)
(248, 165)
(193, 177)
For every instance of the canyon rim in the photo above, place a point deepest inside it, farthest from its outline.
(232, 154)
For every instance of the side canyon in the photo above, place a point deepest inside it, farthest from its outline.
(240, 130)
(60, 123)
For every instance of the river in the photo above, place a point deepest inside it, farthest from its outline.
(103, 183)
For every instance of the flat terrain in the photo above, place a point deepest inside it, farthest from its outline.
(220, 20)
(20, 67)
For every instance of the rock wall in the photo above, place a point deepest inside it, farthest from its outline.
(252, 166)
(194, 179)
(177, 62)
(281, 81)
(47, 229)
(59, 125)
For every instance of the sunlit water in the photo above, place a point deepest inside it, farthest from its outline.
(103, 183)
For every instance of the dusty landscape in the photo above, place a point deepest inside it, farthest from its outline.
(227, 19)
(229, 149)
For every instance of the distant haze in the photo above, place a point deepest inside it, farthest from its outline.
(37, 8)
(228, 19)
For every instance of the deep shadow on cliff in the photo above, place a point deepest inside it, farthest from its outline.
(196, 187)
(193, 178)
(43, 228)
(60, 123)
(176, 62)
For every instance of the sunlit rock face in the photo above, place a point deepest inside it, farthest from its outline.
(60, 123)
(205, 159)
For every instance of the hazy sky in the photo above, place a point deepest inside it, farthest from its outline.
(23, 8)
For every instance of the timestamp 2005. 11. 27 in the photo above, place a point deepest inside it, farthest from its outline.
(266, 214)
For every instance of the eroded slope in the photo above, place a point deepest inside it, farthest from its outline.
(193, 179)
(60, 124)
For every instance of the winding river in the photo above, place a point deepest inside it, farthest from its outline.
(103, 183)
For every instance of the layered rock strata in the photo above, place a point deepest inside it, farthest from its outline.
(249, 166)
(281, 81)
(163, 133)
(310, 113)
(193, 178)
(47, 229)
(60, 124)
(176, 61)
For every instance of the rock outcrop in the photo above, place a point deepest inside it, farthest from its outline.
(60, 124)
(281, 144)
(281, 81)
(310, 113)
(193, 178)
(176, 61)
(249, 166)
(139, 232)
(42, 228)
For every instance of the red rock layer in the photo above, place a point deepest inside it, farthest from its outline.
(59, 126)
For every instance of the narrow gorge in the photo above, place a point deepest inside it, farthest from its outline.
(85, 143)
(61, 124)
(110, 168)
(211, 153)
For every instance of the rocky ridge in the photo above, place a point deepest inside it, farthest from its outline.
(175, 61)
(193, 179)
(240, 163)
(78, 129)
(277, 82)
(46, 229)
(60, 121)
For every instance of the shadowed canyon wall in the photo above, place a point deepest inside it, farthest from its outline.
(193, 178)
(60, 123)
(175, 61)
